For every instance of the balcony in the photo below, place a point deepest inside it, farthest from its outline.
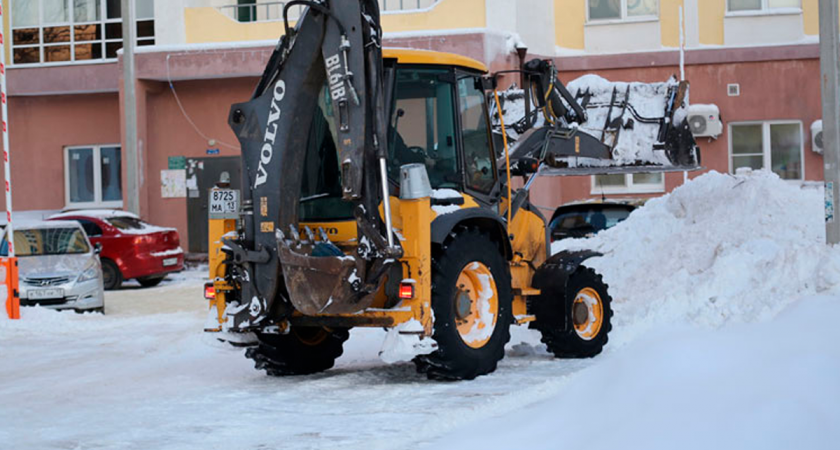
(259, 11)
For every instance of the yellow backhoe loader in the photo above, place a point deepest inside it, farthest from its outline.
(375, 194)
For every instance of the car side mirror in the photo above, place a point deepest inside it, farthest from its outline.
(97, 248)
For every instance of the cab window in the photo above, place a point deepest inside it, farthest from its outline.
(478, 152)
(422, 127)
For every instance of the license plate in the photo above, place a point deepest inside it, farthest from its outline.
(41, 294)
(170, 261)
(224, 203)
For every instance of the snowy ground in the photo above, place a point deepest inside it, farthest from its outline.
(724, 339)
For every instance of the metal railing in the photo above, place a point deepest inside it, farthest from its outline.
(268, 11)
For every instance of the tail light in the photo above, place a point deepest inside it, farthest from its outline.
(142, 240)
(209, 291)
(406, 290)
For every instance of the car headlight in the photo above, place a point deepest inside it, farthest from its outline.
(91, 273)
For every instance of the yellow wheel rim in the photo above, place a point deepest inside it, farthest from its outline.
(476, 304)
(310, 336)
(587, 313)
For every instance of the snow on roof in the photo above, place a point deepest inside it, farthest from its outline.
(97, 213)
(44, 224)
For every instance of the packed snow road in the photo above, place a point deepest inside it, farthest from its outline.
(726, 302)
(145, 376)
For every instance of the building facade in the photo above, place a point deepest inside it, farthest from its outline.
(756, 60)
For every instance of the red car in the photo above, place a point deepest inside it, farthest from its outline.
(131, 248)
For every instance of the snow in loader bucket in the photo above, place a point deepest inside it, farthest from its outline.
(626, 128)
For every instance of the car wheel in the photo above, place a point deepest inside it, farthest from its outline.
(111, 276)
(150, 281)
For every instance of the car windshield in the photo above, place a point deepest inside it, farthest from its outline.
(127, 223)
(48, 241)
(591, 220)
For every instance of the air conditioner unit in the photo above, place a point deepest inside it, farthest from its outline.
(817, 137)
(704, 121)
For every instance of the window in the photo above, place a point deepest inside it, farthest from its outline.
(631, 183)
(423, 127)
(478, 152)
(62, 31)
(774, 145)
(622, 9)
(91, 229)
(246, 10)
(760, 5)
(47, 241)
(93, 176)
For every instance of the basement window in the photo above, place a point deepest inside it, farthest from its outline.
(761, 145)
(635, 183)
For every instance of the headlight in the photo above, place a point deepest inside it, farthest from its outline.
(91, 273)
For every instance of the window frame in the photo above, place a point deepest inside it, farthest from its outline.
(629, 186)
(97, 178)
(624, 17)
(764, 9)
(766, 145)
(103, 41)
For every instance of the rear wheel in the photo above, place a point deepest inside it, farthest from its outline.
(150, 281)
(111, 276)
(471, 300)
(576, 324)
(303, 351)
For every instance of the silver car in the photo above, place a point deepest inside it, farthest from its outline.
(58, 268)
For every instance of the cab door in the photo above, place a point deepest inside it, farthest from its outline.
(481, 179)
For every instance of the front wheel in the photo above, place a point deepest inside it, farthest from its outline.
(111, 276)
(471, 300)
(303, 351)
(576, 324)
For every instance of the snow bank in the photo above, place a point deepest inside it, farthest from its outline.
(719, 249)
(757, 386)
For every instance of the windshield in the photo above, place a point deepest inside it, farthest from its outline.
(127, 223)
(48, 241)
(589, 220)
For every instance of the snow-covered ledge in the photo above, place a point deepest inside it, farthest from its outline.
(776, 27)
(622, 36)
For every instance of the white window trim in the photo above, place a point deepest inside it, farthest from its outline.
(764, 10)
(97, 178)
(628, 188)
(765, 144)
(624, 17)
(103, 41)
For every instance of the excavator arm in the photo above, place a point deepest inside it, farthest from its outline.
(337, 44)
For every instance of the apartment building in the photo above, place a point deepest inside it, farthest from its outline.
(756, 60)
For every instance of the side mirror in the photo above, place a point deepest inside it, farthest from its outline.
(97, 248)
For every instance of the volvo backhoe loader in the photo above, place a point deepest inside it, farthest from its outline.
(372, 197)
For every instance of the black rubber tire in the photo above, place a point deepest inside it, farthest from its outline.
(150, 281)
(562, 340)
(454, 359)
(111, 275)
(289, 354)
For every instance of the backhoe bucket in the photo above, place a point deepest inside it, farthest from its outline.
(322, 284)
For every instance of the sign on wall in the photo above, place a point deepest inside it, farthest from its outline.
(177, 162)
(173, 183)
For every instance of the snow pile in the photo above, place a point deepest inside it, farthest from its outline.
(404, 342)
(720, 249)
(756, 386)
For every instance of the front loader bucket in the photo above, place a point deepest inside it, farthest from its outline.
(322, 284)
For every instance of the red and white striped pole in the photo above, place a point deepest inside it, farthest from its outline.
(12, 300)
